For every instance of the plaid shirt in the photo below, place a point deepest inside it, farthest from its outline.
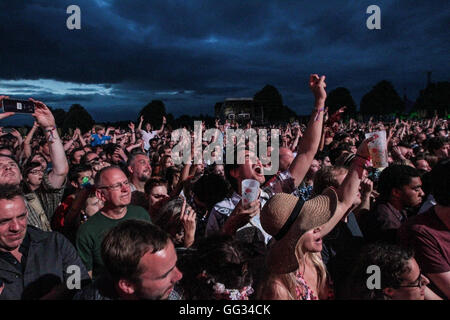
(281, 182)
(42, 204)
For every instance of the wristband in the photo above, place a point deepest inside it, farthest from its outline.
(318, 113)
(51, 137)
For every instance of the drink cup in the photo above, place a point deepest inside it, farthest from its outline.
(378, 149)
(250, 191)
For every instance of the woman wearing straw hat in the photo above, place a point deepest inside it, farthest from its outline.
(295, 268)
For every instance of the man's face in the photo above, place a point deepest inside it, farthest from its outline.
(167, 152)
(93, 205)
(157, 194)
(406, 152)
(81, 175)
(141, 168)
(9, 171)
(159, 275)
(423, 165)
(77, 156)
(13, 223)
(411, 194)
(442, 153)
(35, 176)
(326, 162)
(114, 189)
(153, 144)
(410, 289)
(251, 169)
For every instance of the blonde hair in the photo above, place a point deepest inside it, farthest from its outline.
(284, 285)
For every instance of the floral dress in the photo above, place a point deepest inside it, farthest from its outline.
(304, 292)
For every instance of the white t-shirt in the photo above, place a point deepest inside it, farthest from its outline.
(147, 136)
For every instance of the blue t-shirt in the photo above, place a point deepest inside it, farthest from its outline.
(97, 140)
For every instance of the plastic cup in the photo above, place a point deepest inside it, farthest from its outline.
(250, 191)
(378, 149)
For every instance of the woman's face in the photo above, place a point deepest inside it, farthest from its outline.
(168, 163)
(219, 169)
(312, 241)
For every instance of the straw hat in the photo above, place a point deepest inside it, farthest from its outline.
(287, 217)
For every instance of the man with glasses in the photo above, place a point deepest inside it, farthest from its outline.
(113, 188)
(97, 163)
(395, 275)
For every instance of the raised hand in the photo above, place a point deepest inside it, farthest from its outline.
(5, 114)
(366, 187)
(188, 219)
(42, 114)
(131, 126)
(317, 86)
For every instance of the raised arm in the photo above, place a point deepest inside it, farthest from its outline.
(133, 133)
(348, 190)
(27, 142)
(310, 142)
(46, 121)
(139, 128)
(162, 126)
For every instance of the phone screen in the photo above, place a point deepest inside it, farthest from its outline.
(18, 106)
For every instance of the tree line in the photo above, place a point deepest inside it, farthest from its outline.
(382, 99)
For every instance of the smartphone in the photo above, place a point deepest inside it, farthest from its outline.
(18, 106)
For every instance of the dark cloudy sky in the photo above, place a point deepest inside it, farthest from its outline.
(191, 54)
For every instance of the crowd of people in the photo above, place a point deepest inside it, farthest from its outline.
(112, 205)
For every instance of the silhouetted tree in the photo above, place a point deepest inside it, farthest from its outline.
(271, 101)
(60, 115)
(436, 96)
(153, 113)
(382, 99)
(78, 117)
(338, 98)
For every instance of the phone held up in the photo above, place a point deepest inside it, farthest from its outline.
(18, 106)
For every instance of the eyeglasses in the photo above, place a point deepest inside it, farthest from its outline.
(37, 172)
(417, 284)
(116, 186)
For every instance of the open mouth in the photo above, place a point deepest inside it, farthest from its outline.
(259, 170)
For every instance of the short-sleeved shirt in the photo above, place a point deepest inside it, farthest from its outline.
(42, 204)
(282, 182)
(147, 136)
(430, 239)
(98, 141)
(91, 233)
